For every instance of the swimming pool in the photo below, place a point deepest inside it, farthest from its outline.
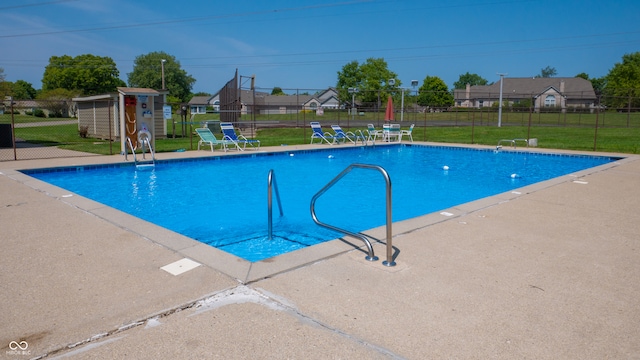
(222, 200)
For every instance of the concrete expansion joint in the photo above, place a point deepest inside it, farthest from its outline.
(243, 294)
(151, 320)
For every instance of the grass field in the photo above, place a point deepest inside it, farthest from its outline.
(616, 132)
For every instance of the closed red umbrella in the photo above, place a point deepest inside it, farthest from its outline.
(388, 115)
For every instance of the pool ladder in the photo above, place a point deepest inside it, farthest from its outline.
(370, 256)
(511, 142)
(144, 163)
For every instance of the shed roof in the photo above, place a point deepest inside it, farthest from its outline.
(137, 91)
(96, 97)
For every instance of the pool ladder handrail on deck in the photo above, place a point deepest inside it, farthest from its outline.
(371, 256)
(272, 185)
(133, 151)
(512, 142)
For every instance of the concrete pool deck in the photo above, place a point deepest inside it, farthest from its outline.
(550, 272)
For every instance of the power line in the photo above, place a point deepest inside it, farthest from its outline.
(175, 21)
(34, 4)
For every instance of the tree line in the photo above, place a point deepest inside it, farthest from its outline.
(369, 82)
(67, 77)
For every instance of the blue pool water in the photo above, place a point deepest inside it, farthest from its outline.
(222, 201)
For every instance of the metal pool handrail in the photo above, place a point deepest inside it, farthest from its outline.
(370, 256)
(272, 184)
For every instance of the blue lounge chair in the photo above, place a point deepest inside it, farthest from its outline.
(342, 136)
(230, 135)
(207, 137)
(319, 134)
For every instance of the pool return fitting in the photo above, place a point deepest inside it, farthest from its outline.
(370, 256)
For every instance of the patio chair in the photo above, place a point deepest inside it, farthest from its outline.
(230, 135)
(207, 137)
(407, 132)
(341, 135)
(319, 134)
(373, 133)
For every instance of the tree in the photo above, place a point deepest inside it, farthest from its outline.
(57, 101)
(547, 72)
(23, 90)
(4, 86)
(583, 75)
(349, 77)
(371, 78)
(596, 83)
(434, 93)
(623, 82)
(277, 91)
(88, 74)
(147, 73)
(471, 79)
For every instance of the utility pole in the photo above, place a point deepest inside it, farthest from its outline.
(353, 91)
(162, 64)
(502, 75)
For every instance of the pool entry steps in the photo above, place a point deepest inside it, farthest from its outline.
(370, 256)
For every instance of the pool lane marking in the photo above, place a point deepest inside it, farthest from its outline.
(180, 266)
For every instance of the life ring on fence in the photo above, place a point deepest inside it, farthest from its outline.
(143, 134)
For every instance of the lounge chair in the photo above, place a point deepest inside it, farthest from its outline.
(407, 132)
(207, 137)
(341, 135)
(391, 132)
(230, 135)
(319, 134)
(372, 133)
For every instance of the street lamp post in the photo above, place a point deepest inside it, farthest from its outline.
(353, 91)
(414, 83)
(162, 65)
(500, 104)
(392, 82)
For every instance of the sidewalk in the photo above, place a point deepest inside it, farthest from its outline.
(550, 273)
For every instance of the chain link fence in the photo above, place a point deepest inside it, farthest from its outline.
(32, 129)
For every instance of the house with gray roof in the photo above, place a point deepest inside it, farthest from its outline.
(327, 99)
(560, 93)
(267, 104)
(199, 104)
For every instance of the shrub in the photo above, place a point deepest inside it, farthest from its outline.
(39, 113)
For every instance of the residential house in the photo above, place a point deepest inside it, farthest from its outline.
(267, 104)
(199, 104)
(559, 93)
(327, 99)
(62, 108)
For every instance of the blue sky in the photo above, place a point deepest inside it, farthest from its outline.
(301, 44)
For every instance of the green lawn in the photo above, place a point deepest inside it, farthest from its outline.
(555, 131)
